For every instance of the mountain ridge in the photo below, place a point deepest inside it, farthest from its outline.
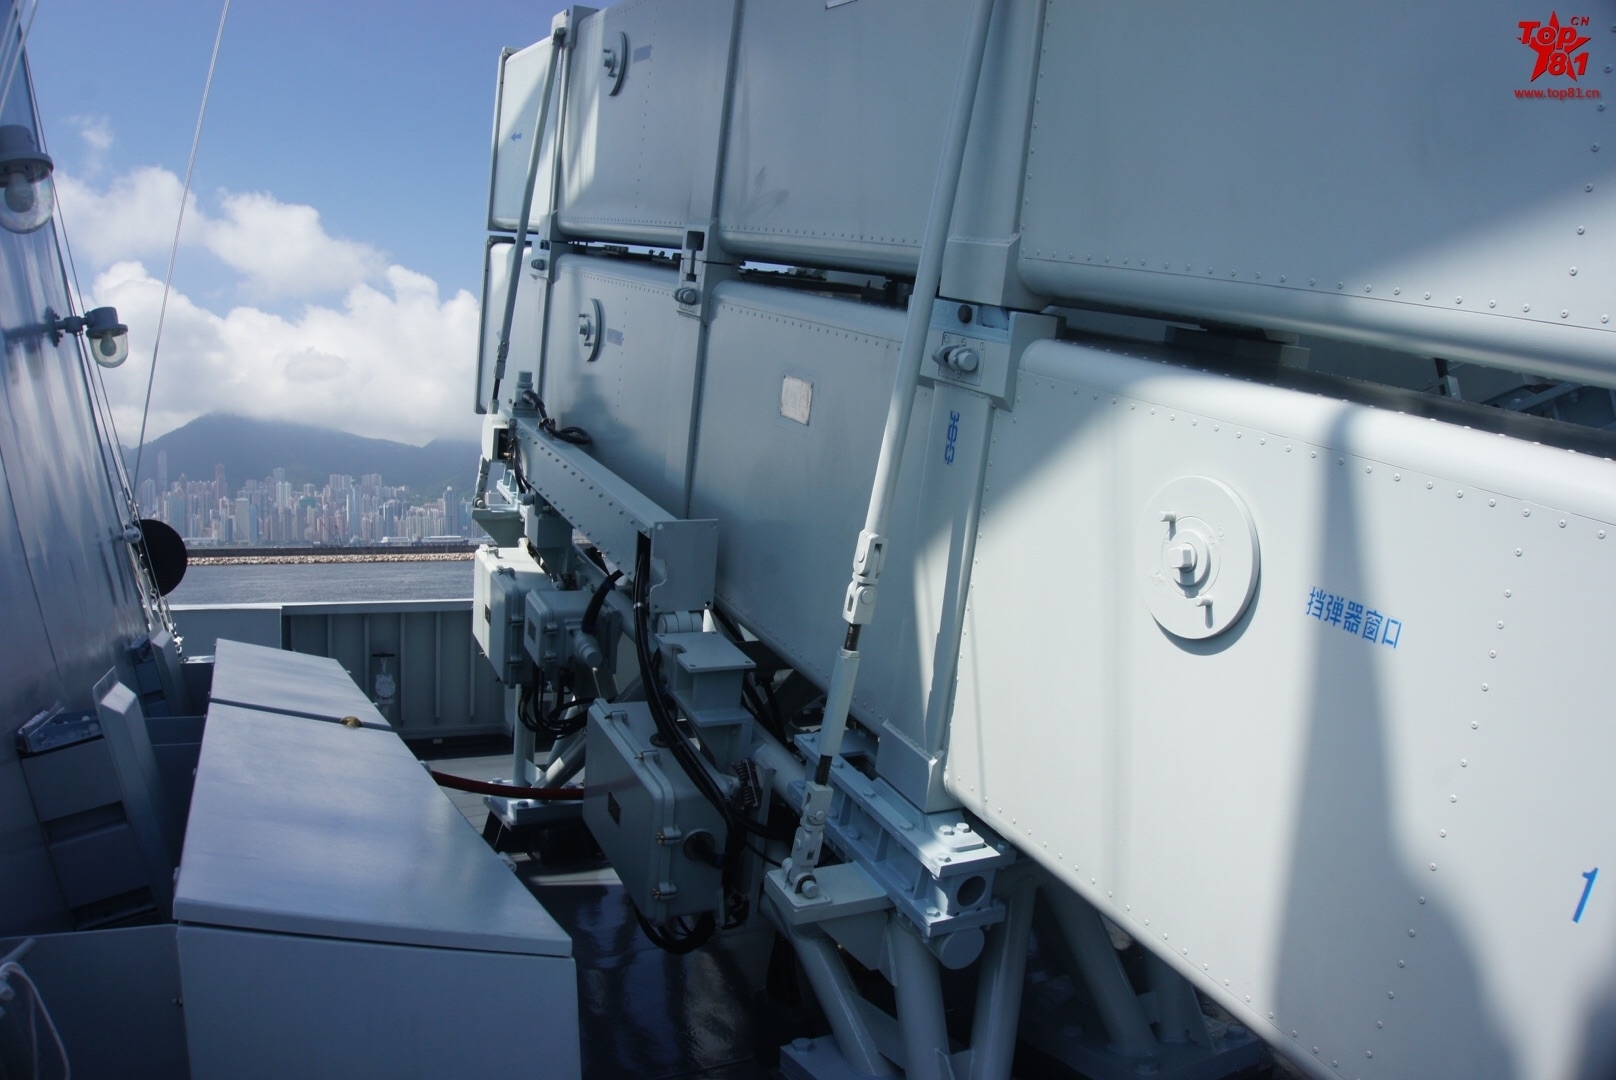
(250, 448)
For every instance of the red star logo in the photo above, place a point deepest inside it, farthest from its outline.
(1554, 45)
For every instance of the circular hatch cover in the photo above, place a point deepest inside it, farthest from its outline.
(1195, 550)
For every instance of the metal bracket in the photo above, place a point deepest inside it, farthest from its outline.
(704, 672)
(693, 282)
(704, 675)
(613, 514)
(979, 347)
(517, 813)
(938, 869)
(843, 890)
(702, 265)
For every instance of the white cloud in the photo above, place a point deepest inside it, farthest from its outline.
(280, 250)
(96, 131)
(393, 362)
(131, 218)
(355, 342)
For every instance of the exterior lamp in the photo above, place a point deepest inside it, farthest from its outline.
(109, 338)
(29, 197)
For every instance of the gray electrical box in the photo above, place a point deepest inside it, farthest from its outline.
(553, 632)
(648, 817)
(503, 579)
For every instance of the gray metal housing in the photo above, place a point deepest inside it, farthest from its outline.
(71, 598)
(1367, 175)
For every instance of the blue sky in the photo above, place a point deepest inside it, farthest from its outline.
(332, 269)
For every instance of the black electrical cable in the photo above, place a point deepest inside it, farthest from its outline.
(575, 435)
(666, 725)
(558, 727)
(679, 945)
(542, 722)
(760, 711)
(737, 824)
(760, 853)
(597, 601)
(524, 706)
(505, 791)
(664, 721)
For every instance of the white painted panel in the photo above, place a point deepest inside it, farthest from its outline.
(1364, 170)
(300, 826)
(1266, 806)
(634, 392)
(527, 320)
(836, 126)
(518, 93)
(640, 164)
(791, 496)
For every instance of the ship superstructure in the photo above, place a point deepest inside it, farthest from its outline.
(1085, 525)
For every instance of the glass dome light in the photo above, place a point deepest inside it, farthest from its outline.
(109, 338)
(29, 195)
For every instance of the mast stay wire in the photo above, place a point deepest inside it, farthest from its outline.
(173, 253)
(113, 466)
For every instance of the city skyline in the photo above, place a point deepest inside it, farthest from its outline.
(271, 510)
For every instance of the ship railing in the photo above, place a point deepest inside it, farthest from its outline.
(416, 659)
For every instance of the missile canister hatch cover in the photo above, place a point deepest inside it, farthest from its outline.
(1195, 549)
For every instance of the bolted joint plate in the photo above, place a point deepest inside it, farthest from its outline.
(979, 347)
(937, 868)
(843, 890)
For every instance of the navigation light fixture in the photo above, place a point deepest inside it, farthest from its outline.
(25, 173)
(109, 338)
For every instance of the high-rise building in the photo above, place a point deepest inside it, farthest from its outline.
(173, 510)
(162, 471)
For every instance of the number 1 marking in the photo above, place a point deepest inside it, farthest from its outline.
(1586, 889)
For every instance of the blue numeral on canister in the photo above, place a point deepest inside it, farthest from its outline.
(1588, 887)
